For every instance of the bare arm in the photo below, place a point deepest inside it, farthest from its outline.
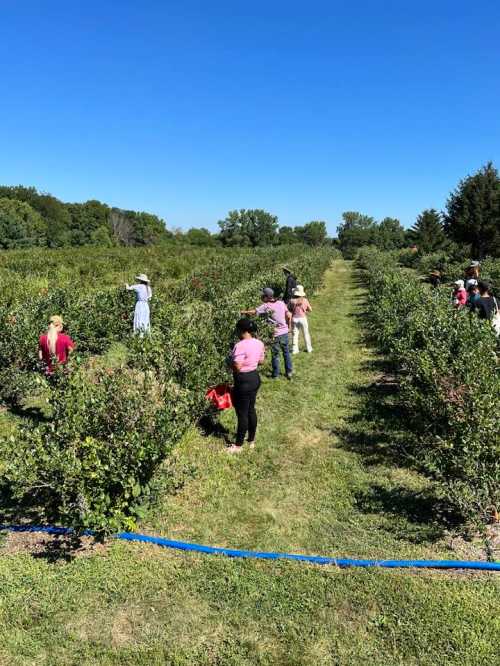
(249, 312)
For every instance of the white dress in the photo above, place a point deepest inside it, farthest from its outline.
(141, 313)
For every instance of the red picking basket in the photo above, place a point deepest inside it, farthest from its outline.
(220, 396)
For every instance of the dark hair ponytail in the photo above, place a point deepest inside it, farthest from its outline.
(246, 325)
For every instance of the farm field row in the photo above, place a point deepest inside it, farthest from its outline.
(88, 440)
(322, 480)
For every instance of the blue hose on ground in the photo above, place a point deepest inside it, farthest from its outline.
(229, 552)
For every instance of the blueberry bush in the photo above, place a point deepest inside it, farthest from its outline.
(90, 438)
(448, 368)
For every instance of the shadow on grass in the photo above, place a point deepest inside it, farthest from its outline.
(378, 429)
(381, 432)
(210, 426)
(27, 512)
(59, 549)
(424, 517)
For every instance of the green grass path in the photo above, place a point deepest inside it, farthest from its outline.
(320, 481)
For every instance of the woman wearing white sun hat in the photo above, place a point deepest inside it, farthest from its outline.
(300, 306)
(143, 294)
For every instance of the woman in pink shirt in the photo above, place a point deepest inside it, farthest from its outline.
(300, 306)
(246, 357)
(280, 316)
(54, 347)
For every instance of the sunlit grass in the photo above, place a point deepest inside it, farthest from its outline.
(319, 481)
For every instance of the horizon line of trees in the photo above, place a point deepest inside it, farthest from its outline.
(29, 218)
(470, 221)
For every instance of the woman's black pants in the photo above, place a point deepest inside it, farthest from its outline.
(246, 386)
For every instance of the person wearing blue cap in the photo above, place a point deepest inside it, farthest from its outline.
(278, 314)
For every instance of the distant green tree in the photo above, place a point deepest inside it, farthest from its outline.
(313, 233)
(86, 218)
(200, 237)
(249, 228)
(389, 234)
(355, 231)
(473, 212)
(20, 225)
(132, 228)
(287, 236)
(428, 233)
(53, 211)
(101, 237)
(149, 229)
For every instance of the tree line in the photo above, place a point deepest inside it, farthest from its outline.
(30, 218)
(472, 220)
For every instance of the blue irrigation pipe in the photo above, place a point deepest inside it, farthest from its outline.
(253, 554)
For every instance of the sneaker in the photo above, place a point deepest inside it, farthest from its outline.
(289, 377)
(233, 449)
(251, 445)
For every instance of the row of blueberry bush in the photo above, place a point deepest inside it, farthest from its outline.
(90, 439)
(449, 384)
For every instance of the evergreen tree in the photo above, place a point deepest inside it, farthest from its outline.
(428, 232)
(473, 212)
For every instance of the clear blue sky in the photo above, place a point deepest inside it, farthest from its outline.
(306, 109)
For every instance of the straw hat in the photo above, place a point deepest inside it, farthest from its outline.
(299, 291)
(142, 278)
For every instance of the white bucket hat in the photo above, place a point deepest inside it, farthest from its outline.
(142, 278)
(459, 283)
(299, 291)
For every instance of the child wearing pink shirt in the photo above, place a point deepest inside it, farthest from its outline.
(246, 357)
(459, 294)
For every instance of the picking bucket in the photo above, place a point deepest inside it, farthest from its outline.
(220, 396)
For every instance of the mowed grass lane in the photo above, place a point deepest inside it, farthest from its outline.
(321, 480)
